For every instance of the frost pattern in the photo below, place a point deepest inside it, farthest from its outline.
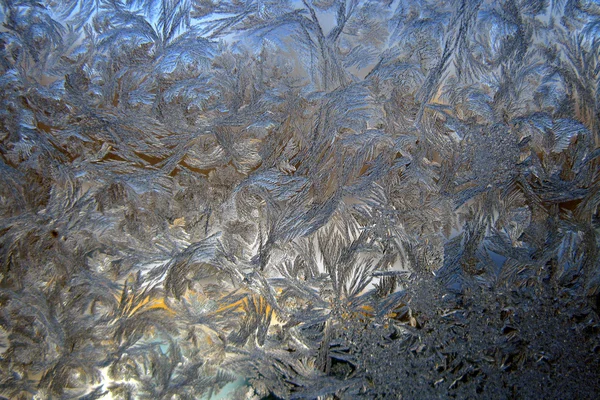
(312, 199)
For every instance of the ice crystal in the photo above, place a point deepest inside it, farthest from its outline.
(299, 199)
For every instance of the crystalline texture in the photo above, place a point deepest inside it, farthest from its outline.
(299, 199)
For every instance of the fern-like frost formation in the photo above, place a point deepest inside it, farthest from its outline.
(299, 199)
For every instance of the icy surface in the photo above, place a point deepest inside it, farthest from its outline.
(299, 199)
